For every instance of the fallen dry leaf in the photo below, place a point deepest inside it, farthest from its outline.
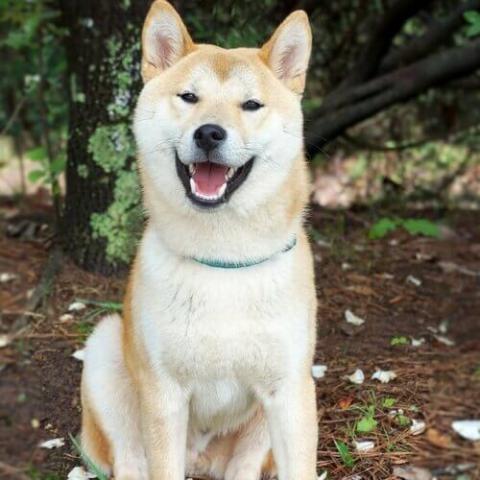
(362, 290)
(345, 402)
(438, 439)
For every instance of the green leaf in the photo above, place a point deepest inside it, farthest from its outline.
(388, 402)
(366, 424)
(382, 228)
(402, 420)
(399, 340)
(345, 454)
(421, 226)
(472, 16)
(37, 154)
(36, 175)
(58, 165)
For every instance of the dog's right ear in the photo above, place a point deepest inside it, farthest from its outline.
(165, 39)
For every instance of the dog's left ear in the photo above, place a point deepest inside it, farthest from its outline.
(288, 51)
(165, 39)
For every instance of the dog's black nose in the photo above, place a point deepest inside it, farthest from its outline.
(209, 136)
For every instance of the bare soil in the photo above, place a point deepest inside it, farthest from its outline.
(436, 383)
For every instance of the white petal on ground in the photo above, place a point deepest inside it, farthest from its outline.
(4, 340)
(6, 277)
(350, 317)
(468, 429)
(365, 446)
(417, 342)
(79, 473)
(407, 472)
(66, 317)
(79, 355)
(318, 371)
(417, 427)
(445, 340)
(414, 280)
(384, 376)
(443, 327)
(450, 267)
(54, 443)
(323, 476)
(76, 307)
(357, 377)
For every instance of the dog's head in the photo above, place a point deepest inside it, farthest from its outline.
(216, 127)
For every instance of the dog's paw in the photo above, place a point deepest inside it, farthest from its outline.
(242, 471)
(137, 471)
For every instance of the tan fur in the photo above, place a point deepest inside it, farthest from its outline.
(152, 430)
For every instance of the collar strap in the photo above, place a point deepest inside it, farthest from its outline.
(217, 263)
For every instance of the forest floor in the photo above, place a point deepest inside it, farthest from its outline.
(404, 287)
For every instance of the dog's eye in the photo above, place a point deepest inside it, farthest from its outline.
(188, 97)
(251, 105)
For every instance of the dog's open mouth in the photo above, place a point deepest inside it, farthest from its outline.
(209, 184)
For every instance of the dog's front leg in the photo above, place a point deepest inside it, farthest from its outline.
(164, 411)
(292, 420)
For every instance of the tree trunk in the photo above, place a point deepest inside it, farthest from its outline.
(101, 34)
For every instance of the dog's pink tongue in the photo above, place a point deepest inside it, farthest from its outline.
(209, 178)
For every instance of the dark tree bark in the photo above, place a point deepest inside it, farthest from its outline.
(91, 24)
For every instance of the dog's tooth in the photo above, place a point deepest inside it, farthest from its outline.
(230, 173)
(192, 185)
(191, 168)
(222, 190)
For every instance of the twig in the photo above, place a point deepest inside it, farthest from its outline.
(14, 116)
(42, 290)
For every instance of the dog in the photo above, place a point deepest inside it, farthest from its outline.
(208, 371)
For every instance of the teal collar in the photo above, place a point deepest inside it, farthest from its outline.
(216, 263)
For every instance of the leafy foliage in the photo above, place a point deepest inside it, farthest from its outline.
(398, 340)
(367, 423)
(32, 78)
(473, 19)
(414, 226)
(345, 454)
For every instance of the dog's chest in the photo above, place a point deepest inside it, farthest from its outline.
(208, 325)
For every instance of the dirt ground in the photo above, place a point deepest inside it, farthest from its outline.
(404, 287)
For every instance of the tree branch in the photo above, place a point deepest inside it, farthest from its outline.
(430, 41)
(381, 39)
(382, 92)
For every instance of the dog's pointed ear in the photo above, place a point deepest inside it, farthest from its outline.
(165, 39)
(288, 51)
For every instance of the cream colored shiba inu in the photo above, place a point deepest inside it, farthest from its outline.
(208, 372)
